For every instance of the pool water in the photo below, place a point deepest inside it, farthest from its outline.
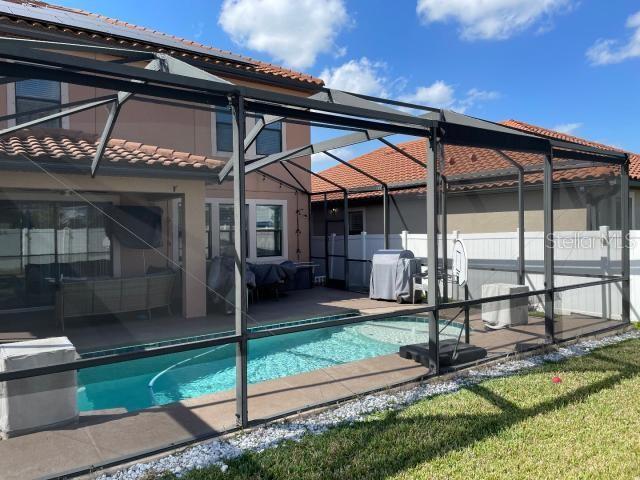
(160, 380)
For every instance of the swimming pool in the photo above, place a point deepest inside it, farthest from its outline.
(144, 383)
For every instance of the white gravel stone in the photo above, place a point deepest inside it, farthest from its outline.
(218, 451)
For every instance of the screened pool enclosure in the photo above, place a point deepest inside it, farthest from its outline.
(105, 245)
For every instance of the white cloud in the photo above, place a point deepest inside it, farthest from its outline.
(370, 78)
(491, 19)
(358, 76)
(568, 128)
(320, 161)
(442, 95)
(438, 94)
(293, 32)
(605, 52)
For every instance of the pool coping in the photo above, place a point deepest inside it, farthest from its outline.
(227, 333)
(208, 336)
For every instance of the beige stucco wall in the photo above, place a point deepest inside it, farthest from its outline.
(481, 212)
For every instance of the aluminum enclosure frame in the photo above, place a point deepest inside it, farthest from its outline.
(372, 118)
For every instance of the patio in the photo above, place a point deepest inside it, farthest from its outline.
(91, 334)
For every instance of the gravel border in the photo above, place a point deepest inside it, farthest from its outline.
(219, 451)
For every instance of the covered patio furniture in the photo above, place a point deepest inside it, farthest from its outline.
(392, 272)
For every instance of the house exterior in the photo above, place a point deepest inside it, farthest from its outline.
(161, 156)
(584, 199)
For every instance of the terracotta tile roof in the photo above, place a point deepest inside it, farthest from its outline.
(392, 167)
(78, 148)
(634, 158)
(159, 42)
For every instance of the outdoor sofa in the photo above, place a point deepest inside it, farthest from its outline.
(103, 296)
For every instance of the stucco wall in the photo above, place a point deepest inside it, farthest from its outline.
(482, 212)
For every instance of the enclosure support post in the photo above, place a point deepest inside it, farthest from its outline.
(345, 237)
(521, 267)
(443, 232)
(385, 216)
(325, 209)
(548, 247)
(625, 257)
(240, 244)
(432, 251)
(467, 326)
(309, 239)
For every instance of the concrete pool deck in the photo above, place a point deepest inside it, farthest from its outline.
(105, 436)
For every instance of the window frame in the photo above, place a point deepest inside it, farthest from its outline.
(251, 228)
(272, 230)
(251, 151)
(364, 219)
(270, 127)
(214, 135)
(11, 104)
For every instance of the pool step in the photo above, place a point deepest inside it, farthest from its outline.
(465, 353)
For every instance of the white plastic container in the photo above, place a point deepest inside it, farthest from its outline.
(37, 403)
(505, 313)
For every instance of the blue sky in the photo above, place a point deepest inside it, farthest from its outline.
(569, 64)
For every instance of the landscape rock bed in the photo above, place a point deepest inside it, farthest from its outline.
(219, 451)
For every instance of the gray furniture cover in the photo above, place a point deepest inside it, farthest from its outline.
(391, 273)
(36, 403)
(221, 277)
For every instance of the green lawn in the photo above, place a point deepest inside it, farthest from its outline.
(523, 426)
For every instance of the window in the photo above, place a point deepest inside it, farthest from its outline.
(269, 230)
(224, 132)
(42, 241)
(36, 94)
(356, 222)
(266, 233)
(226, 237)
(270, 139)
(83, 245)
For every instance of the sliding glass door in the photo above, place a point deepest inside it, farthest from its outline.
(42, 241)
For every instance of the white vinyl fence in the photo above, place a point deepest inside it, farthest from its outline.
(493, 259)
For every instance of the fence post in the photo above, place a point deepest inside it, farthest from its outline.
(405, 240)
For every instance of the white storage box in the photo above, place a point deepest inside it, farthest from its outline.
(35, 403)
(505, 313)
